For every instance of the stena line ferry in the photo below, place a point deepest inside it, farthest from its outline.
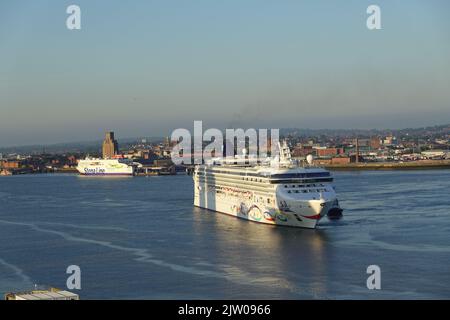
(277, 192)
(107, 167)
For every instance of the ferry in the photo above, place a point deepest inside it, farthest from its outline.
(277, 191)
(107, 167)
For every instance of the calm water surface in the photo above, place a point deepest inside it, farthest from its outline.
(142, 238)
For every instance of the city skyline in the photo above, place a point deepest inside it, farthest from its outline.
(285, 133)
(148, 69)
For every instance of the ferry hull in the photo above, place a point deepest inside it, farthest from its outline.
(105, 167)
(103, 172)
(83, 173)
(106, 174)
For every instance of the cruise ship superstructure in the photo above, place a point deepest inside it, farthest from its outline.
(278, 192)
(107, 167)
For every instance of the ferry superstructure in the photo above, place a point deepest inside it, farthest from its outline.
(107, 167)
(279, 192)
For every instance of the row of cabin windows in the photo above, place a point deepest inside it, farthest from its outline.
(274, 176)
(257, 199)
(304, 186)
(251, 179)
(275, 181)
(307, 190)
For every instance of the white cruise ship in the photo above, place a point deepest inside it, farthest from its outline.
(277, 192)
(104, 167)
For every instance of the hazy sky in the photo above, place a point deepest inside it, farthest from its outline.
(143, 68)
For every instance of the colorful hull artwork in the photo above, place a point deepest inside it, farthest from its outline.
(240, 206)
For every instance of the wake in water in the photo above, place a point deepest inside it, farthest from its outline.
(16, 279)
(230, 273)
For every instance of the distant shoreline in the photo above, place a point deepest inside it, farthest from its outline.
(411, 165)
(362, 166)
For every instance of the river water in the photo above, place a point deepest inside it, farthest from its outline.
(141, 238)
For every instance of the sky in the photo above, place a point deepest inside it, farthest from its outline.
(145, 68)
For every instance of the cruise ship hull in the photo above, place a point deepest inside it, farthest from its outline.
(303, 214)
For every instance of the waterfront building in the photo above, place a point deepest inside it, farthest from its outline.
(303, 150)
(110, 146)
(375, 143)
(435, 154)
(341, 160)
(324, 152)
(11, 164)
